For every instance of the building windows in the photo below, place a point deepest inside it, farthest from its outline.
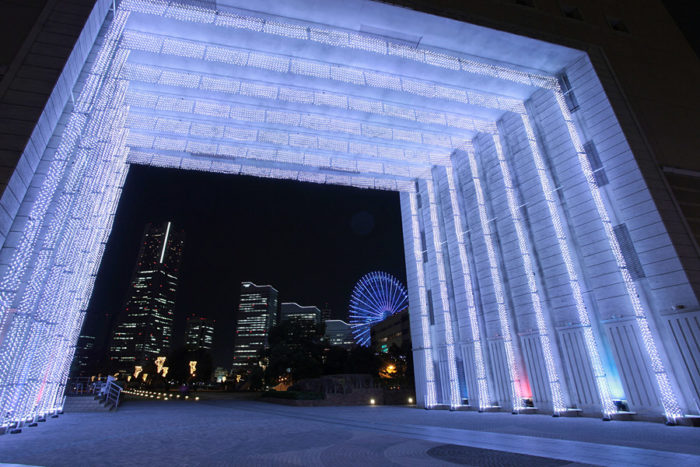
(634, 266)
(431, 311)
(601, 178)
(568, 92)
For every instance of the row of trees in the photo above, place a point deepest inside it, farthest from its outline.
(297, 352)
(179, 370)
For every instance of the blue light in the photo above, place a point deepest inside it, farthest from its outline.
(376, 296)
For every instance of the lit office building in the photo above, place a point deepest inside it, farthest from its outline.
(339, 334)
(393, 330)
(84, 358)
(291, 311)
(307, 317)
(145, 328)
(257, 311)
(199, 333)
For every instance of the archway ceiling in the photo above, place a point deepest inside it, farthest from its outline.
(241, 91)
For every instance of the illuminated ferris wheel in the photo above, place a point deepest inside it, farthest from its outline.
(376, 296)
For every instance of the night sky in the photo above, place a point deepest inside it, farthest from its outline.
(311, 242)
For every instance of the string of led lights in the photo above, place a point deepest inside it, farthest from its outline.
(427, 348)
(23, 397)
(336, 37)
(422, 115)
(227, 111)
(154, 130)
(504, 319)
(444, 304)
(558, 405)
(480, 368)
(77, 253)
(592, 346)
(247, 58)
(663, 384)
(203, 124)
(248, 167)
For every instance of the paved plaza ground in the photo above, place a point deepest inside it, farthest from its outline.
(250, 433)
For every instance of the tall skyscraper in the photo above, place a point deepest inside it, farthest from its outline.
(199, 333)
(257, 311)
(84, 359)
(145, 329)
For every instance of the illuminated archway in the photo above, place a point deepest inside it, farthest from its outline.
(512, 231)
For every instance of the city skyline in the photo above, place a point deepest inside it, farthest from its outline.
(366, 226)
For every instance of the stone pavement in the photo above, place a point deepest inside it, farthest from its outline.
(249, 433)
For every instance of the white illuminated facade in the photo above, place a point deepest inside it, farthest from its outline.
(539, 272)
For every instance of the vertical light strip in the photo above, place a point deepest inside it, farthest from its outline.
(584, 317)
(558, 405)
(165, 243)
(497, 285)
(455, 399)
(430, 394)
(668, 397)
(481, 382)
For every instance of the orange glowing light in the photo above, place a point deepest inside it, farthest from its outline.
(160, 361)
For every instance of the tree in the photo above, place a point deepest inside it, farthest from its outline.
(363, 360)
(335, 361)
(396, 367)
(295, 351)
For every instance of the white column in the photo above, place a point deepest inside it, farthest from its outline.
(418, 306)
(440, 298)
(457, 241)
(524, 244)
(669, 401)
(504, 319)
